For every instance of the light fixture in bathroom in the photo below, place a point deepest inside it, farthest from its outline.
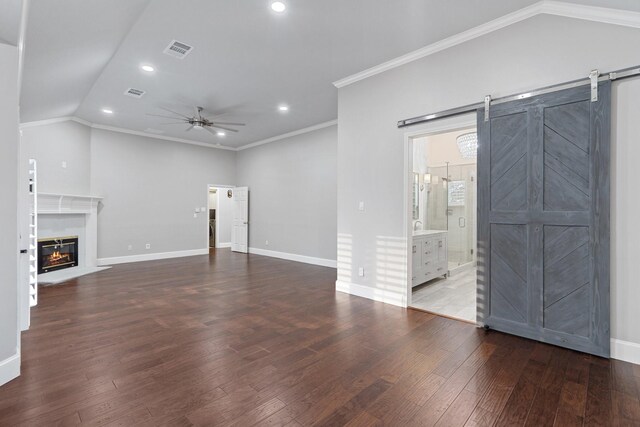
(468, 145)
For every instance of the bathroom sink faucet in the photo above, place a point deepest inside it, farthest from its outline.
(415, 225)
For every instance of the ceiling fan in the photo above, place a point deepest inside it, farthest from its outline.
(198, 121)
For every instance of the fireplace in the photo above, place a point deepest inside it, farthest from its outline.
(57, 254)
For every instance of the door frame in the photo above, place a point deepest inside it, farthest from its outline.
(425, 129)
(218, 187)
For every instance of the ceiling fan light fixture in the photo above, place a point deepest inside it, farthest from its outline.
(148, 68)
(107, 111)
(283, 108)
(278, 6)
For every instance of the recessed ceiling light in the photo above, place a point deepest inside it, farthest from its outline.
(278, 6)
(107, 111)
(147, 68)
(221, 134)
(283, 108)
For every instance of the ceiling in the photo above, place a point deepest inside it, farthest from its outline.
(81, 56)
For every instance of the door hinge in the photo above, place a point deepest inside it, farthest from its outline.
(593, 76)
(487, 106)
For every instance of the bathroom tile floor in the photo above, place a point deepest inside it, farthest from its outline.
(454, 296)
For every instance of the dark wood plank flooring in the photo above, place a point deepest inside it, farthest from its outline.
(247, 340)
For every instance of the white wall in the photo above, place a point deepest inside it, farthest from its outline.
(9, 336)
(67, 142)
(292, 200)
(151, 188)
(541, 51)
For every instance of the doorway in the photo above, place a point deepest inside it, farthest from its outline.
(219, 217)
(443, 222)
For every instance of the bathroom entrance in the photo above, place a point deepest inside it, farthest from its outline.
(444, 211)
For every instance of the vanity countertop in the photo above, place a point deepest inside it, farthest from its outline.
(428, 232)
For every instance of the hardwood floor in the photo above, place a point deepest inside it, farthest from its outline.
(248, 340)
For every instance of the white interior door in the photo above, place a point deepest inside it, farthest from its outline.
(240, 231)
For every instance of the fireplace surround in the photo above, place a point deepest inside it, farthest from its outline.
(57, 253)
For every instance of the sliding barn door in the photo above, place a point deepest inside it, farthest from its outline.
(543, 218)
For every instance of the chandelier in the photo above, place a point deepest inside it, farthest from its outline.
(468, 145)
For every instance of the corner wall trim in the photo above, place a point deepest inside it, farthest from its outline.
(295, 257)
(151, 257)
(625, 350)
(290, 134)
(605, 15)
(376, 294)
(9, 369)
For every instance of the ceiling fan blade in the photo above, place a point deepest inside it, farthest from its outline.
(211, 131)
(224, 128)
(174, 112)
(229, 123)
(164, 117)
(189, 128)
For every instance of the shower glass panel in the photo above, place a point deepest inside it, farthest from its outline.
(461, 214)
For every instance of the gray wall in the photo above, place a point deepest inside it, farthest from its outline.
(9, 344)
(151, 188)
(292, 201)
(54, 144)
(540, 51)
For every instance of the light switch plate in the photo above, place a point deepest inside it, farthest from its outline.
(361, 206)
(361, 271)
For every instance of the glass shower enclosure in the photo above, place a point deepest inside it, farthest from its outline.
(451, 205)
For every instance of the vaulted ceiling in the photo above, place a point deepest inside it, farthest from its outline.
(82, 55)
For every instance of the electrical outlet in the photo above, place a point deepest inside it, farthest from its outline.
(148, 246)
(64, 165)
(130, 247)
(266, 242)
(361, 206)
(361, 271)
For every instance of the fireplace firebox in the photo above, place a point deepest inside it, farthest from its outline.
(57, 253)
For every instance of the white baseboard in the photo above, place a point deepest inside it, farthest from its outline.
(625, 351)
(151, 257)
(294, 257)
(223, 245)
(382, 295)
(9, 369)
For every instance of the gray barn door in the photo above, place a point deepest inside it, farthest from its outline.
(543, 218)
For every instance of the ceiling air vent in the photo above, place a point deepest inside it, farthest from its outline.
(134, 93)
(178, 49)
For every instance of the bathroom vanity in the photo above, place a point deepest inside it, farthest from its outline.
(429, 251)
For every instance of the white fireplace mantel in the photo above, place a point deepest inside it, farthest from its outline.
(53, 204)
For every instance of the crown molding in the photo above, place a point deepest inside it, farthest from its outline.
(558, 8)
(289, 134)
(27, 125)
(162, 137)
(37, 123)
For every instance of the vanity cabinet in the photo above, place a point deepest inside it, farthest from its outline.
(429, 252)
